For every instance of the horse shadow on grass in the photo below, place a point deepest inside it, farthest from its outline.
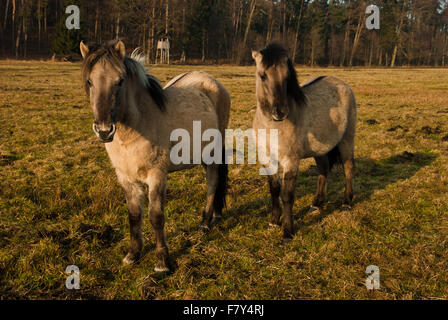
(371, 175)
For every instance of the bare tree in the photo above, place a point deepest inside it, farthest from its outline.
(6, 14)
(401, 16)
(253, 5)
(358, 32)
(296, 35)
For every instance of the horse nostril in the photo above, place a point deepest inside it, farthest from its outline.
(278, 115)
(104, 135)
(95, 129)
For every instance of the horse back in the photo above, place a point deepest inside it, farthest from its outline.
(212, 88)
(329, 99)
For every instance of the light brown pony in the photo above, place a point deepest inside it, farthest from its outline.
(134, 116)
(316, 120)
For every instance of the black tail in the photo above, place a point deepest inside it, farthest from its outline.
(334, 156)
(221, 190)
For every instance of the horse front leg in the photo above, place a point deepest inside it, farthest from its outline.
(135, 227)
(287, 197)
(156, 196)
(274, 188)
(134, 196)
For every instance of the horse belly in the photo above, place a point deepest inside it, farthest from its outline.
(325, 132)
(192, 114)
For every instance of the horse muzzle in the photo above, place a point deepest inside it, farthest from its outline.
(105, 132)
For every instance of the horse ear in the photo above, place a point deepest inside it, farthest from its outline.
(120, 49)
(255, 54)
(84, 49)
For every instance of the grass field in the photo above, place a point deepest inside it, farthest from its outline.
(60, 203)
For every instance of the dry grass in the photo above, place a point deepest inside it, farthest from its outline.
(60, 203)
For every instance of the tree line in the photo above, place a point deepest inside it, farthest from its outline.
(317, 32)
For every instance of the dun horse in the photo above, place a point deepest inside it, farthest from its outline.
(134, 116)
(316, 120)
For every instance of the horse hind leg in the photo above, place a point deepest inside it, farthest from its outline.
(219, 201)
(217, 183)
(323, 166)
(347, 159)
(349, 170)
(212, 174)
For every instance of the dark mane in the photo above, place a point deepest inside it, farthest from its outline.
(105, 53)
(313, 81)
(152, 85)
(275, 54)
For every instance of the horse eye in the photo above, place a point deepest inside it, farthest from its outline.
(263, 76)
(121, 82)
(89, 83)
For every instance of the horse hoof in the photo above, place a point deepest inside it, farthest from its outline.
(204, 228)
(130, 259)
(216, 220)
(160, 269)
(346, 207)
(313, 209)
(273, 225)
